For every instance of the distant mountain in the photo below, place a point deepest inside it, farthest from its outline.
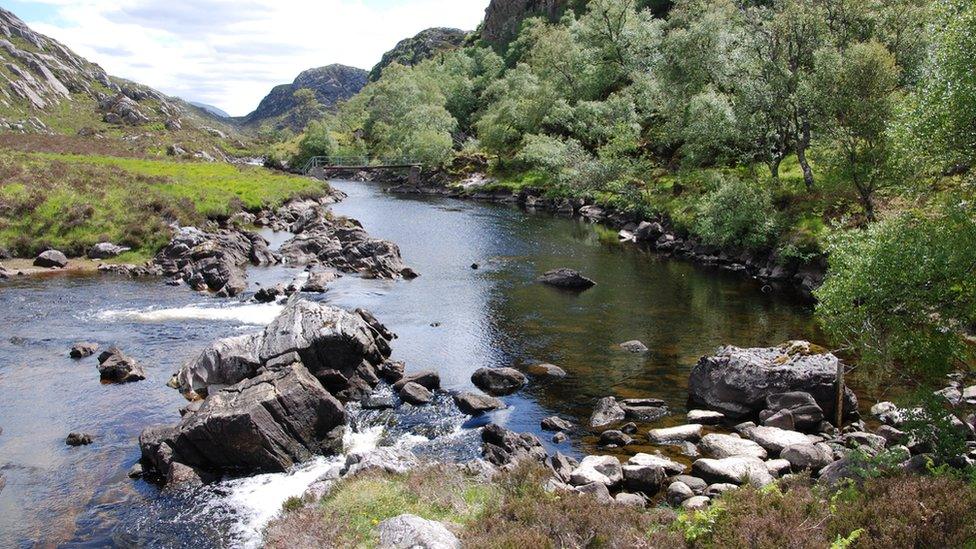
(216, 111)
(331, 84)
(47, 88)
(425, 45)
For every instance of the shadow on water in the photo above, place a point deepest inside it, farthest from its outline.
(453, 319)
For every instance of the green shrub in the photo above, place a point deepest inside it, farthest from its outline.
(737, 214)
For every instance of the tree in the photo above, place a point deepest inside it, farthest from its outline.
(307, 107)
(738, 214)
(902, 293)
(858, 99)
(317, 141)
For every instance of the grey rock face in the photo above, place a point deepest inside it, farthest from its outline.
(411, 531)
(213, 261)
(267, 423)
(605, 470)
(331, 84)
(498, 381)
(738, 381)
(426, 44)
(504, 17)
(223, 363)
(774, 439)
(808, 457)
(51, 259)
(566, 279)
(115, 367)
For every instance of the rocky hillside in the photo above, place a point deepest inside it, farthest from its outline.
(503, 17)
(331, 84)
(423, 46)
(47, 88)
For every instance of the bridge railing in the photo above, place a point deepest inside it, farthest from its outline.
(340, 162)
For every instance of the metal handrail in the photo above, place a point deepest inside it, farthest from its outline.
(357, 162)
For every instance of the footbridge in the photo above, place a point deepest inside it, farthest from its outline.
(319, 166)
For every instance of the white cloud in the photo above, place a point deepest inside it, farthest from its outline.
(230, 53)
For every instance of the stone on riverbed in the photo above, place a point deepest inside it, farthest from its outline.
(546, 370)
(603, 469)
(498, 381)
(115, 367)
(774, 439)
(670, 466)
(566, 279)
(737, 381)
(556, 423)
(503, 447)
(318, 281)
(634, 346)
(705, 417)
(427, 378)
(264, 424)
(416, 394)
(51, 259)
(78, 439)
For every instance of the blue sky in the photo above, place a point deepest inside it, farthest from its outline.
(229, 53)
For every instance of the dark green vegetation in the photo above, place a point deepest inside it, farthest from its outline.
(69, 194)
(791, 128)
(882, 510)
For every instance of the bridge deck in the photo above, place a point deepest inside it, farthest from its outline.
(368, 167)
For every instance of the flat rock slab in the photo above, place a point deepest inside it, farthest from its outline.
(723, 446)
(605, 470)
(735, 470)
(774, 439)
(670, 466)
(706, 417)
(691, 432)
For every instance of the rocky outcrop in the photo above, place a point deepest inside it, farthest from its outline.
(504, 17)
(331, 84)
(737, 381)
(344, 245)
(425, 45)
(119, 109)
(341, 349)
(105, 250)
(266, 423)
(502, 447)
(213, 261)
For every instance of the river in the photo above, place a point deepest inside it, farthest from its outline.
(453, 319)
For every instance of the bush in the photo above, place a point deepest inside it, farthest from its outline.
(737, 214)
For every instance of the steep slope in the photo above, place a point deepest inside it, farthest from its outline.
(503, 17)
(425, 45)
(331, 84)
(47, 88)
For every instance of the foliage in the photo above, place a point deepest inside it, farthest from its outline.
(317, 140)
(737, 214)
(932, 424)
(901, 292)
(71, 202)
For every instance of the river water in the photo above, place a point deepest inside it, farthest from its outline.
(453, 319)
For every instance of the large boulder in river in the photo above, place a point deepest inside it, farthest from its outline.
(51, 259)
(566, 279)
(114, 366)
(266, 423)
(342, 349)
(737, 381)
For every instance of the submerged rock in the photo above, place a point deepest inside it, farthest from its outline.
(83, 350)
(566, 279)
(738, 381)
(607, 411)
(636, 347)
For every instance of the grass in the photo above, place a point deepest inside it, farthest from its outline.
(515, 511)
(73, 200)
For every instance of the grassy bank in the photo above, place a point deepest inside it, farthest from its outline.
(514, 511)
(72, 201)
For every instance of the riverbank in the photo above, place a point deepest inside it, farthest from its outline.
(659, 233)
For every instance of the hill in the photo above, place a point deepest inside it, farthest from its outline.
(413, 50)
(215, 111)
(49, 89)
(331, 84)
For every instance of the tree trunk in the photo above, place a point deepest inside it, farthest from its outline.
(802, 143)
(774, 168)
(840, 394)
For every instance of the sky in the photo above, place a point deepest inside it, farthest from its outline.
(230, 53)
